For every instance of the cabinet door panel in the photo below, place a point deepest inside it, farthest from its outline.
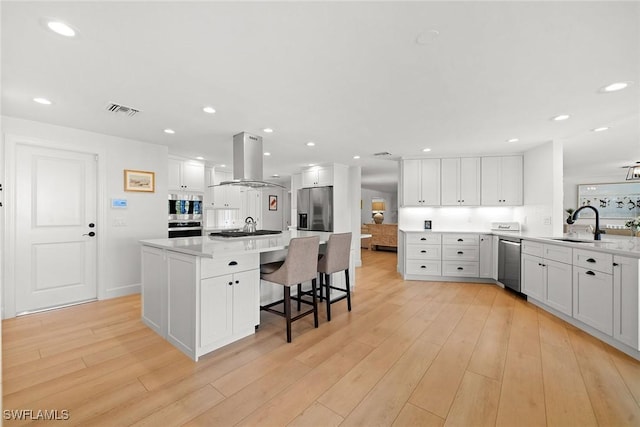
(450, 175)
(430, 182)
(410, 182)
(470, 181)
(593, 299)
(491, 176)
(325, 176)
(245, 309)
(181, 300)
(193, 176)
(559, 286)
(533, 277)
(215, 309)
(625, 301)
(487, 258)
(511, 180)
(175, 174)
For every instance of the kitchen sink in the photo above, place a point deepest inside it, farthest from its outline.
(562, 239)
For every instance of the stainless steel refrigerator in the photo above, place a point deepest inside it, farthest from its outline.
(315, 209)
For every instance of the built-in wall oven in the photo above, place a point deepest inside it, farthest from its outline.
(185, 215)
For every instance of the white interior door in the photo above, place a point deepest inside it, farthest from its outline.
(55, 207)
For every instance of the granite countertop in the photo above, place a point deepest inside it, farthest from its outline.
(211, 247)
(613, 244)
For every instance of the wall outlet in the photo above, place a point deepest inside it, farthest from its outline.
(119, 222)
(547, 220)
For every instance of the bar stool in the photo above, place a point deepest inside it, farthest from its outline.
(299, 266)
(336, 258)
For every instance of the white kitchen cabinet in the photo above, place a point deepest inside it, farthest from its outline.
(593, 298)
(460, 255)
(558, 286)
(548, 278)
(226, 304)
(423, 254)
(460, 181)
(502, 181)
(317, 177)
(186, 175)
(533, 276)
(625, 300)
(420, 182)
(488, 259)
(225, 196)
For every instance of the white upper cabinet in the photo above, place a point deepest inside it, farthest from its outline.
(226, 196)
(317, 177)
(421, 182)
(461, 181)
(186, 175)
(502, 181)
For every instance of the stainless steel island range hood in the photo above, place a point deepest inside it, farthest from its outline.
(247, 162)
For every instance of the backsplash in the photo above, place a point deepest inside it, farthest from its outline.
(454, 218)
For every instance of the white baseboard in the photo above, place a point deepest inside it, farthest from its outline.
(122, 291)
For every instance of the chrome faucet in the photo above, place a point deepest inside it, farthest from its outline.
(574, 217)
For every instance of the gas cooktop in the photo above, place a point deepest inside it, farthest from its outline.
(244, 233)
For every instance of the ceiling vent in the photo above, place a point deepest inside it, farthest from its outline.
(122, 110)
(382, 154)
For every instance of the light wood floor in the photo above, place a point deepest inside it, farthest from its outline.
(410, 353)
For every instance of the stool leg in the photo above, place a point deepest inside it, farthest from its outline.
(287, 310)
(346, 275)
(328, 287)
(299, 294)
(315, 302)
(320, 286)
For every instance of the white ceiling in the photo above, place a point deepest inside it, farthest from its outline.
(348, 76)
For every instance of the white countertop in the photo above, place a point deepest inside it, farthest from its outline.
(210, 247)
(614, 244)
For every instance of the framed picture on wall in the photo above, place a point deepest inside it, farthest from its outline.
(273, 203)
(139, 181)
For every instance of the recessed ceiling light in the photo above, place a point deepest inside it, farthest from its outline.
(600, 129)
(268, 130)
(266, 153)
(311, 164)
(356, 157)
(275, 175)
(209, 110)
(43, 101)
(560, 117)
(614, 87)
(169, 131)
(513, 140)
(426, 150)
(223, 166)
(200, 158)
(310, 144)
(61, 28)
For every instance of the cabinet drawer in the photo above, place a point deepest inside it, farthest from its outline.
(558, 253)
(464, 253)
(228, 265)
(460, 268)
(432, 252)
(532, 248)
(593, 260)
(430, 268)
(460, 239)
(424, 238)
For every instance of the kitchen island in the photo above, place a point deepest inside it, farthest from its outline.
(201, 293)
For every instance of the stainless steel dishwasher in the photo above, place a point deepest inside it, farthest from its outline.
(509, 263)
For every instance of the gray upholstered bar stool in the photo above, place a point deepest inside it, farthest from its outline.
(335, 259)
(299, 266)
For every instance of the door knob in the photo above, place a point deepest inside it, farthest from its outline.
(91, 225)
(90, 234)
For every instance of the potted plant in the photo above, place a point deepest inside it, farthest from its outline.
(633, 225)
(570, 212)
